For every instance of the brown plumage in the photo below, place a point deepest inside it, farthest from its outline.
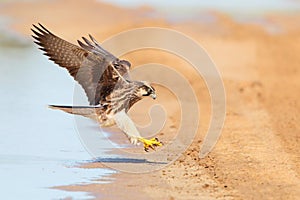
(89, 64)
(104, 78)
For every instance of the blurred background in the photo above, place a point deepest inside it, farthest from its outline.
(255, 45)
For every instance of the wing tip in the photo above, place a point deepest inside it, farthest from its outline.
(93, 39)
(40, 30)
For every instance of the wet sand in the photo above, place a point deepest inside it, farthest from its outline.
(257, 156)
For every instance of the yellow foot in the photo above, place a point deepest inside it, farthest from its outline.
(152, 143)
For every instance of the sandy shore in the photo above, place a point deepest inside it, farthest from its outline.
(257, 156)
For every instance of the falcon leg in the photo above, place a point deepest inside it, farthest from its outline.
(152, 143)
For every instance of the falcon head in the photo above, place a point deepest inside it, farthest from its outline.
(145, 89)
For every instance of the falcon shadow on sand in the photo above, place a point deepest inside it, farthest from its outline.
(126, 160)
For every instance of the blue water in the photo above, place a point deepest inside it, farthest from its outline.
(39, 148)
(200, 11)
(253, 12)
(230, 6)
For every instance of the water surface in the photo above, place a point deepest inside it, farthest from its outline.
(39, 148)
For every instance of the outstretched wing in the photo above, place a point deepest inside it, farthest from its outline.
(124, 122)
(95, 69)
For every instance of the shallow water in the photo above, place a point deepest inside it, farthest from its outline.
(253, 12)
(232, 6)
(39, 147)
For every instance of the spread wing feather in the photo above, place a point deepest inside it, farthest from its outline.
(95, 69)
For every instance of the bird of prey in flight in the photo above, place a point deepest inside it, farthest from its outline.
(104, 78)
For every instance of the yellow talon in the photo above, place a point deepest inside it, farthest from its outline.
(152, 143)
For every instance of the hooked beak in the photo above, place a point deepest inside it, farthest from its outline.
(153, 95)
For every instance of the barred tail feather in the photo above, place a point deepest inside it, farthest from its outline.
(86, 111)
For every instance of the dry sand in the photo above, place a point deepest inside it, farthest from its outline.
(257, 156)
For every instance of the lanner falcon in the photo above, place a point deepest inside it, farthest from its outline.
(104, 78)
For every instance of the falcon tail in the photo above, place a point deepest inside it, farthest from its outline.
(86, 111)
